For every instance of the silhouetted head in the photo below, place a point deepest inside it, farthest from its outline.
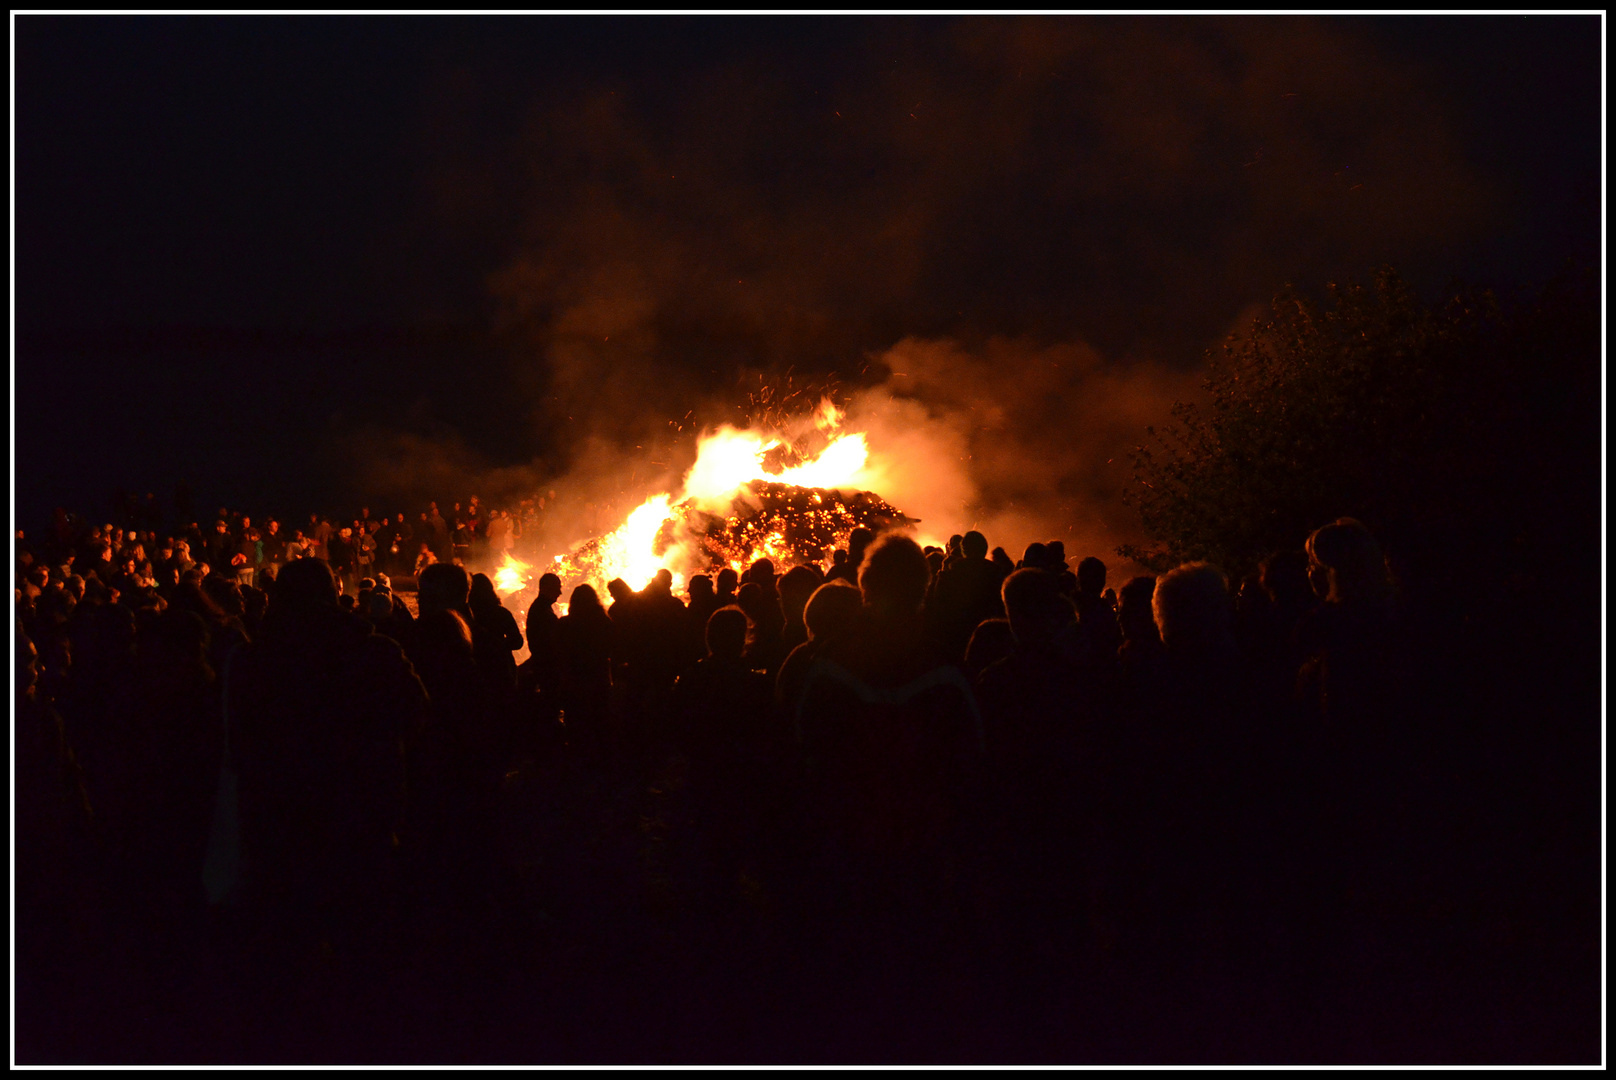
(1091, 576)
(549, 588)
(225, 592)
(857, 543)
(701, 588)
(728, 579)
(482, 592)
(618, 590)
(1135, 612)
(443, 587)
(585, 601)
(831, 609)
(991, 641)
(443, 633)
(973, 545)
(1193, 610)
(954, 544)
(1035, 606)
(1284, 578)
(894, 575)
(1347, 565)
(661, 583)
(762, 572)
(838, 557)
(726, 633)
(304, 581)
(751, 598)
(1055, 550)
(1035, 556)
(796, 586)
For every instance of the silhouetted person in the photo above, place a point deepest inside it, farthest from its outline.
(586, 634)
(1186, 788)
(628, 630)
(343, 558)
(1141, 656)
(765, 639)
(663, 617)
(891, 742)
(991, 642)
(1353, 672)
(497, 619)
(1041, 710)
(703, 602)
(967, 593)
(828, 615)
(1285, 580)
(1038, 684)
(720, 706)
(220, 546)
(543, 640)
(724, 587)
(796, 586)
(1095, 616)
(319, 710)
(539, 678)
(761, 572)
(859, 540)
(439, 528)
(1380, 757)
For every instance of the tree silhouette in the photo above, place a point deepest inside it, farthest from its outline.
(1464, 433)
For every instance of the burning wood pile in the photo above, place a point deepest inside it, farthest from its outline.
(782, 522)
(777, 494)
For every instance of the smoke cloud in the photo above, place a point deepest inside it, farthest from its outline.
(1020, 441)
(1007, 242)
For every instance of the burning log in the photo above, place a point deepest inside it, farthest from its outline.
(783, 522)
(790, 524)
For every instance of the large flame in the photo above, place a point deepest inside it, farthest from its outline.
(727, 460)
(511, 577)
(730, 458)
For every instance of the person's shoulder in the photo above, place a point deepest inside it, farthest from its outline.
(1002, 672)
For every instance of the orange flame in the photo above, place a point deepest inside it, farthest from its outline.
(726, 461)
(511, 577)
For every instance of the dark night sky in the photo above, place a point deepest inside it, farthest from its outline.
(240, 241)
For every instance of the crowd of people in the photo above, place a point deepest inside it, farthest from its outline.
(149, 555)
(973, 802)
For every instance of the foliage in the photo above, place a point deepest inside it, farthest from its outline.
(1460, 431)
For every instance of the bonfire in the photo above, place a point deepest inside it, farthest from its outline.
(781, 494)
(785, 523)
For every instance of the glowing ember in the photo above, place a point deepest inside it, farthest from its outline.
(511, 577)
